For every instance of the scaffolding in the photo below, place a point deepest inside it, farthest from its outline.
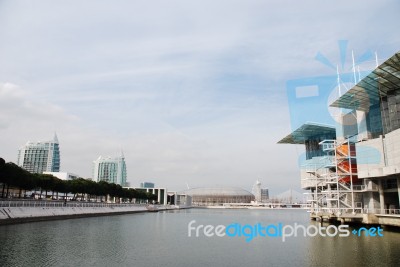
(334, 179)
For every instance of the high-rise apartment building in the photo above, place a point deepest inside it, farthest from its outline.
(264, 195)
(111, 170)
(261, 195)
(39, 157)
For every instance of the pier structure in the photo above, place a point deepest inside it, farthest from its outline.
(352, 170)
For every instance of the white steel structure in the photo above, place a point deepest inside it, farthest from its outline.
(335, 180)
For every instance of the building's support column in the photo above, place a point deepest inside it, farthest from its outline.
(362, 125)
(369, 202)
(381, 196)
(339, 128)
(398, 189)
(328, 203)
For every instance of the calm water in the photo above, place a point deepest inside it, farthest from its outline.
(161, 239)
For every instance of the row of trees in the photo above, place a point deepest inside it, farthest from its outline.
(13, 176)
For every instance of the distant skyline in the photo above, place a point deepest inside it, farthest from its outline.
(194, 92)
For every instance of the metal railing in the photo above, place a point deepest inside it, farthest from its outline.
(328, 145)
(337, 210)
(365, 188)
(317, 163)
(70, 204)
(358, 210)
(386, 211)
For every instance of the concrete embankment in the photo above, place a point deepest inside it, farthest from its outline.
(11, 215)
(366, 218)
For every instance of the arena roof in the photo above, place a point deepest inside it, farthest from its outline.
(217, 191)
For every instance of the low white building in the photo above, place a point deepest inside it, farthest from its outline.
(161, 193)
(63, 175)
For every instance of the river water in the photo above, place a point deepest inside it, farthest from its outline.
(161, 239)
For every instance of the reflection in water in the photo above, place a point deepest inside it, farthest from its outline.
(354, 250)
(161, 239)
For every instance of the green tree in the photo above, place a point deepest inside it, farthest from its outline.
(103, 189)
(12, 175)
(24, 181)
(47, 183)
(2, 175)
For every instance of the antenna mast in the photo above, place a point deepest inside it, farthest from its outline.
(338, 80)
(354, 67)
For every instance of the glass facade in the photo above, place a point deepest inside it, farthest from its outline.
(147, 185)
(313, 149)
(264, 195)
(390, 109)
(374, 120)
(384, 114)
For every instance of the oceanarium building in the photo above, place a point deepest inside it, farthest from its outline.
(111, 170)
(39, 157)
(352, 169)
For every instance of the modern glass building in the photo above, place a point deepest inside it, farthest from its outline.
(111, 170)
(264, 195)
(39, 157)
(352, 169)
(261, 194)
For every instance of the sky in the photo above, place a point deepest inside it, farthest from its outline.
(193, 92)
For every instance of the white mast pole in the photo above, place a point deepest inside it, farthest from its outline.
(338, 80)
(354, 67)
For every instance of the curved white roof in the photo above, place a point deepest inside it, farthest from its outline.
(217, 191)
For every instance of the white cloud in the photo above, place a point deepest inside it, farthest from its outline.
(194, 91)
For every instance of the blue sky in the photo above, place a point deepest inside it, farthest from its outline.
(193, 91)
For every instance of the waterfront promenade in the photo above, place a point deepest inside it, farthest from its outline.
(17, 211)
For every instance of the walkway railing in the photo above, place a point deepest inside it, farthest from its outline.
(387, 211)
(356, 211)
(58, 204)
